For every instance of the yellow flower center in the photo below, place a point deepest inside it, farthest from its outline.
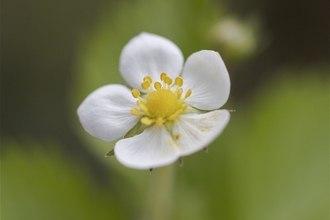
(163, 102)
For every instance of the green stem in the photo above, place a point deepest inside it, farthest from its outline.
(161, 193)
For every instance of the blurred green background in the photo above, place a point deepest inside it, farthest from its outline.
(270, 163)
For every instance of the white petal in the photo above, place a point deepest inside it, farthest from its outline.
(207, 76)
(154, 147)
(193, 132)
(105, 113)
(149, 54)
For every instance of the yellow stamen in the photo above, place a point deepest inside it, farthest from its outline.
(162, 76)
(188, 93)
(147, 78)
(135, 93)
(135, 111)
(184, 107)
(157, 85)
(178, 81)
(146, 121)
(168, 80)
(175, 115)
(145, 85)
(159, 121)
(179, 92)
(142, 106)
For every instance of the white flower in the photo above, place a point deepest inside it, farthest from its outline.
(166, 116)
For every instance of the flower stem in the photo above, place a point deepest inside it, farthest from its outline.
(161, 193)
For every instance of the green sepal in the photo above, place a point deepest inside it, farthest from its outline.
(191, 110)
(137, 129)
(110, 153)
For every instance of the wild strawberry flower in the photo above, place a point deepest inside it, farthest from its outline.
(172, 110)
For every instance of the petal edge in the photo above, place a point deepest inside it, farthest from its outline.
(149, 54)
(205, 73)
(154, 147)
(105, 113)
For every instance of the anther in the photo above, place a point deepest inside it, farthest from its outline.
(146, 121)
(145, 85)
(178, 81)
(147, 78)
(188, 93)
(135, 93)
(168, 80)
(135, 111)
(157, 85)
(162, 76)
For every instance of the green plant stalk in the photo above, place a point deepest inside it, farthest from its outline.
(160, 201)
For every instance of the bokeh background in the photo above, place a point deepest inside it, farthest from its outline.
(270, 163)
